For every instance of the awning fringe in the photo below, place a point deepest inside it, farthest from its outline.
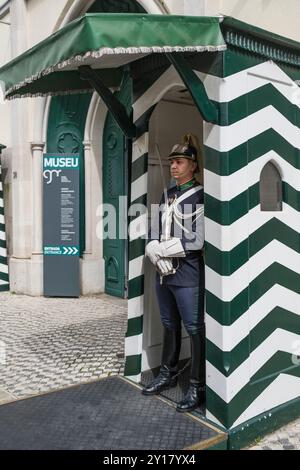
(79, 59)
(51, 93)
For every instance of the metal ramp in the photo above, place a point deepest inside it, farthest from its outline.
(110, 414)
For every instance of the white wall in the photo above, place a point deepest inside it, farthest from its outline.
(278, 16)
(185, 7)
(43, 17)
(5, 127)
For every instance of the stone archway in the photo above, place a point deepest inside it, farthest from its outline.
(92, 265)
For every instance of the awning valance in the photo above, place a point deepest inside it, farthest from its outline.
(104, 42)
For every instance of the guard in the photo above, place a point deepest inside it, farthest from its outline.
(175, 249)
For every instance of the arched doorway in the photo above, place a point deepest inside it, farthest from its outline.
(66, 123)
(174, 115)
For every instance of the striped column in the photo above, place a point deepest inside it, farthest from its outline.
(252, 257)
(138, 229)
(143, 108)
(4, 279)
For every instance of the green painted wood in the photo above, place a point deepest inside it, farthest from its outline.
(120, 6)
(4, 277)
(228, 212)
(116, 159)
(207, 108)
(135, 326)
(3, 260)
(227, 313)
(2, 243)
(260, 42)
(136, 287)
(227, 163)
(274, 274)
(226, 263)
(242, 436)
(133, 365)
(139, 167)
(228, 361)
(65, 134)
(278, 318)
(220, 446)
(267, 95)
(136, 248)
(281, 362)
(228, 413)
(115, 107)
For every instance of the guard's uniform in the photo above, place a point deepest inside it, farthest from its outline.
(178, 231)
(181, 295)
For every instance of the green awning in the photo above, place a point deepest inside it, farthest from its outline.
(104, 42)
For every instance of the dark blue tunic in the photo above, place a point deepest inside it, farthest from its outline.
(190, 269)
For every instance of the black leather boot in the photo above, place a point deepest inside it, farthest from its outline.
(195, 395)
(167, 376)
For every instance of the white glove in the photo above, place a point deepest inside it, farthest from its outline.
(171, 249)
(165, 266)
(151, 251)
(168, 249)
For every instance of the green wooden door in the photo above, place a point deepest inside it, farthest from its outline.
(116, 155)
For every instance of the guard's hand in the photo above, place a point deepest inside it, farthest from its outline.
(165, 266)
(152, 251)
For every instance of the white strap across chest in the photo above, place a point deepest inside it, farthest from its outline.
(173, 211)
(189, 193)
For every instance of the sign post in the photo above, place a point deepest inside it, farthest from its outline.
(61, 225)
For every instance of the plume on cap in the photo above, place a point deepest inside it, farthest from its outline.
(189, 148)
(183, 150)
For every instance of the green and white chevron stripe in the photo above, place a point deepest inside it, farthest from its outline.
(4, 280)
(252, 257)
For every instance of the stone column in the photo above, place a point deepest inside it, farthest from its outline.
(37, 149)
(88, 199)
(21, 164)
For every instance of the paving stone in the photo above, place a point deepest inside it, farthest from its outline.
(48, 348)
(57, 343)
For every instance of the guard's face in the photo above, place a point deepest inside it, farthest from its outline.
(182, 169)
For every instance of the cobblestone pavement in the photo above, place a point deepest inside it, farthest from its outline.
(285, 438)
(49, 344)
